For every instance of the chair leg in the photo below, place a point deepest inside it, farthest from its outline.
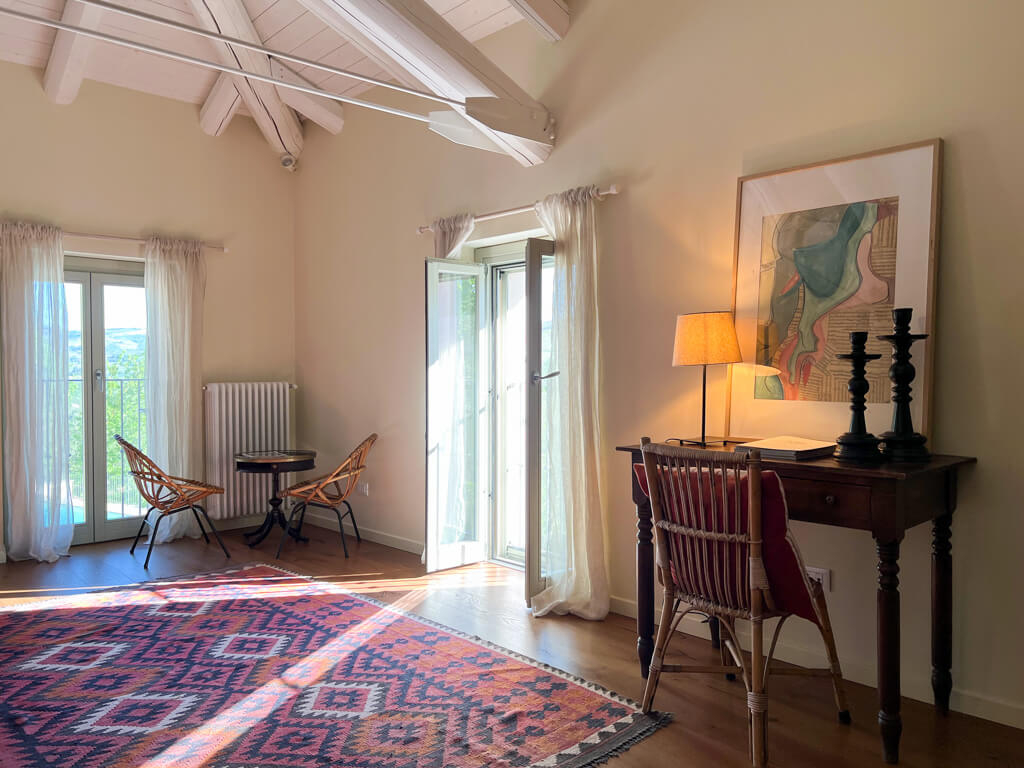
(215, 533)
(668, 610)
(288, 527)
(152, 540)
(352, 515)
(341, 529)
(727, 659)
(201, 529)
(142, 527)
(838, 687)
(756, 699)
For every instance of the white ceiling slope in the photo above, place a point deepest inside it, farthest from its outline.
(423, 44)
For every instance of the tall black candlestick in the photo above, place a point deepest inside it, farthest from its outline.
(858, 444)
(902, 443)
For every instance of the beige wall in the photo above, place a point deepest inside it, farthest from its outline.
(125, 163)
(121, 162)
(675, 100)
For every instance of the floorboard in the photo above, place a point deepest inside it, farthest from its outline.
(487, 600)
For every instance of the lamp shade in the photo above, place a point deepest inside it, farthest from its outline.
(705, 338)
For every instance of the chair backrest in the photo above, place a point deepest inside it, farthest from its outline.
(345, 477)
(155, 486)
(707, 513)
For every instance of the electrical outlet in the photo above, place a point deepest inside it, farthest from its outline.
(364, 488)
(820, 575)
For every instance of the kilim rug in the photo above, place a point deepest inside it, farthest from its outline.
(259, 668)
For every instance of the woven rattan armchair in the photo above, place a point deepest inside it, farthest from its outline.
(167, 495)
(329, 492)
(724, 550)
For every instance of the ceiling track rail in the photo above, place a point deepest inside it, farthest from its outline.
(171, 24)
(186, 59)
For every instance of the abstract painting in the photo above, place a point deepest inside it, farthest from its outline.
(824, 273)
(823, 250)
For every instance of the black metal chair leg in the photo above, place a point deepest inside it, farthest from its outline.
(142, 527)
(200, 524)
(152, 540)
(341, 530)
(215, 533)
(352, 515)
(288, 527)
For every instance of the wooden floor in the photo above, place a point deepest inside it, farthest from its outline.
(710, 713)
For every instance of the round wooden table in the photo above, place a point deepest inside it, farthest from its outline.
(274, 463)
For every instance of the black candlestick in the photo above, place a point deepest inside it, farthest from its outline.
(902, 443)
(858, 444)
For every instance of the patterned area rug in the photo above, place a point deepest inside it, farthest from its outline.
(260, 668)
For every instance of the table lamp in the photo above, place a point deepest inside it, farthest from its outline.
(705, 338)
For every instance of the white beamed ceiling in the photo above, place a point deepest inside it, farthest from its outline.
(282, 24)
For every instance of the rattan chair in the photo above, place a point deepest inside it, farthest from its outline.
(167, 495)
(329, 492)
(724, 550)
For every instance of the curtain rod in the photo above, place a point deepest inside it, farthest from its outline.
(139, 240)
(613, 189)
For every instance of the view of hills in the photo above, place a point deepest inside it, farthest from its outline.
(119, 341)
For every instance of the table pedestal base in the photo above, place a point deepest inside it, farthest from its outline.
(274, 517)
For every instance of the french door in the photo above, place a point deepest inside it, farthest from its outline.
(458, 487)
(106, 397)
(492, 413)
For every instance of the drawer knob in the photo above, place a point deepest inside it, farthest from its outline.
(830, 500)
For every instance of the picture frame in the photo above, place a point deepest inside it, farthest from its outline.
(821, 250)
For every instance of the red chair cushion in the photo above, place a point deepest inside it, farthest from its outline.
(790, 589)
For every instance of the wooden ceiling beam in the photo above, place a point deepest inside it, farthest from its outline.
(328, 114)
(69, 54)
(550, 17)
(220, 106)
(428, 48)
(276, 120)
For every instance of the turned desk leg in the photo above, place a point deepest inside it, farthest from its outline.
(889, 721)
(644, 584)
(942, 612)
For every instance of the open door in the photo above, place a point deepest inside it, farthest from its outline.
(543, 482)
(458, 484)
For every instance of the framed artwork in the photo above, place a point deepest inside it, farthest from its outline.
(823, 250)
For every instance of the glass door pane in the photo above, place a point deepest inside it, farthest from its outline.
(545, 528)
(119, 322)
(457, 416)
(510, 416)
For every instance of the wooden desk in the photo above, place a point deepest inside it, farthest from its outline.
(887, 500)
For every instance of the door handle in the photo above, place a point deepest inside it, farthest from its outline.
(536, 377)
(100, 380)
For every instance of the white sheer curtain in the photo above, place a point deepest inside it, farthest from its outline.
(175, 286)
(573, 534)
(37, 491)
(451, 233)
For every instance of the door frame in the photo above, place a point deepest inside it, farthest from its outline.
(92, 274)
(536, 250)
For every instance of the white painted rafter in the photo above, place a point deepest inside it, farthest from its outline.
(430, 50)
(328, 114)
(220, 106)
(276, 120)
(66, 66)
(550, 17)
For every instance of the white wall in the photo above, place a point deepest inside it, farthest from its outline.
(675, 100)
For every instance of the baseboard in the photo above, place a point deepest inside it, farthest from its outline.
(247, 521)
(916, 687)
(324, 519)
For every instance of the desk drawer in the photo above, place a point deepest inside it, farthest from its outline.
(828, 503)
